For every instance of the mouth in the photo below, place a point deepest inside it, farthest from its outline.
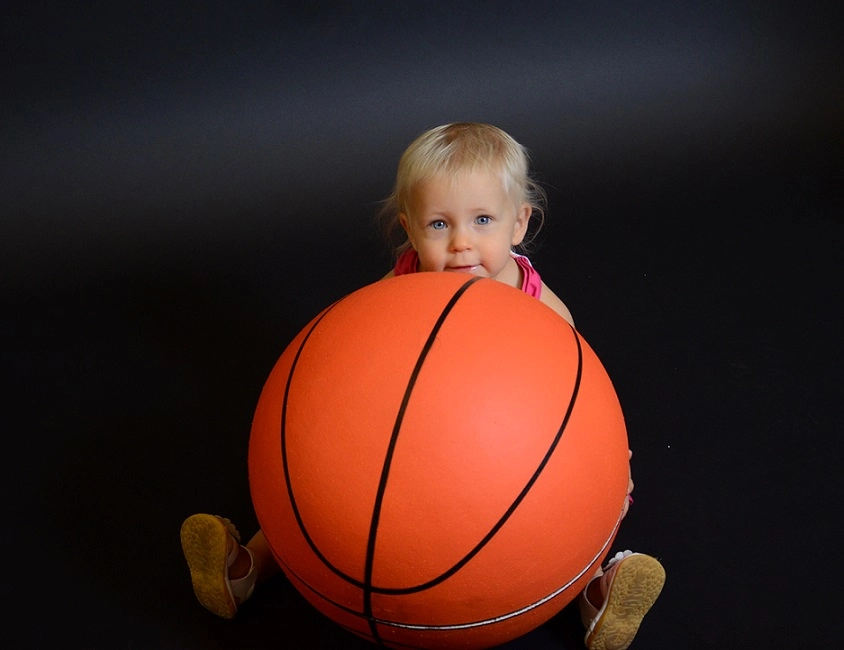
(463, 269)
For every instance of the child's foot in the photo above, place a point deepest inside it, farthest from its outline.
(613, 604)
(211, 545)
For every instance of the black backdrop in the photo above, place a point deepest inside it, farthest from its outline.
(184, 185)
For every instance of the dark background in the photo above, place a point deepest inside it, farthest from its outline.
(184, 185)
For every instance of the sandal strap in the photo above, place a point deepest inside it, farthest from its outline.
(589, 613)
(241, 588)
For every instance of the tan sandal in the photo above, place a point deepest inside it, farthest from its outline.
(205, 543)
(630, 585)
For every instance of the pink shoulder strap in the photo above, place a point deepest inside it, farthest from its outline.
(531, 282)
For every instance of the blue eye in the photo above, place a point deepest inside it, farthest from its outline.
(483, 220)
(438, 225)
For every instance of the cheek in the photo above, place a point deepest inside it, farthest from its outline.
(430, 256)
(427, 252)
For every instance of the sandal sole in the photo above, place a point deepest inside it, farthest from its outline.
(205, 544)
(636, 586)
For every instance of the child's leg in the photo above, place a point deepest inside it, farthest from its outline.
(262, 558)
(629, 499)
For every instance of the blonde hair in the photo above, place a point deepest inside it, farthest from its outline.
(460, 147)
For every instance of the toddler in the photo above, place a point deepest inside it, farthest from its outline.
(462, 203)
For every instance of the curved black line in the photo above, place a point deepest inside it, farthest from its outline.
(283, 433)
(508, 513)
(385, 471)
(345, 608)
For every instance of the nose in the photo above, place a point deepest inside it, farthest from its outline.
(460, 240)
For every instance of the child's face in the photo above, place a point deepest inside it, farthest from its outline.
(466, 226)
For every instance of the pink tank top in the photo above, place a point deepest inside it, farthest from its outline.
(531, 282)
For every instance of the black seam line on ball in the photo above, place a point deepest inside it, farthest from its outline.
(494, 530)
(385, 471)
(291, 497)
(446, 627)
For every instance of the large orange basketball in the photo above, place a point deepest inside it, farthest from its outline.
(438, 461)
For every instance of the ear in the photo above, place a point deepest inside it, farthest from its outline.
(405, 223)
(522, 219)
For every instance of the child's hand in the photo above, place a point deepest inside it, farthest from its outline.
(629, 499)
